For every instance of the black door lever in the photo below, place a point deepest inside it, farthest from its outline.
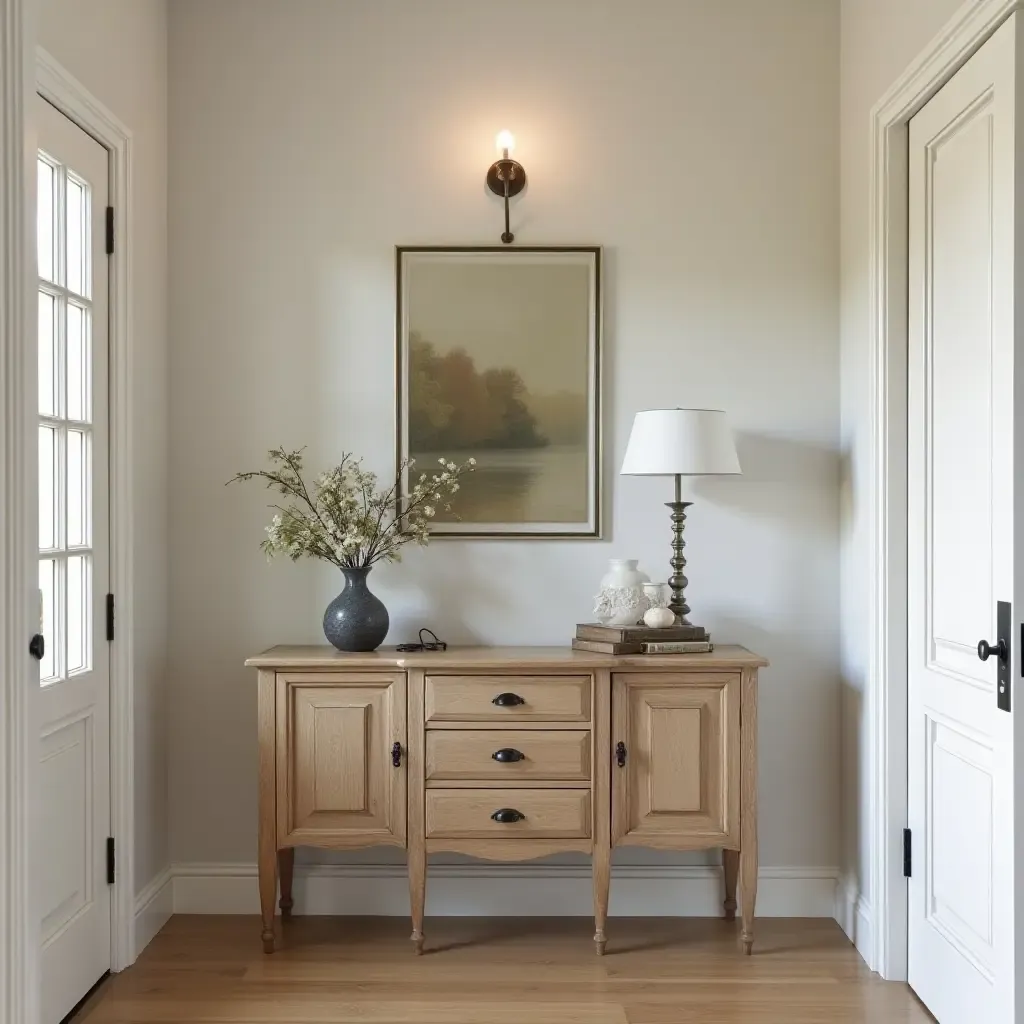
(1001, 649)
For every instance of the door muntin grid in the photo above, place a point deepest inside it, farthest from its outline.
(65, 420)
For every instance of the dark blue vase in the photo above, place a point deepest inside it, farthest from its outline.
(356, 620)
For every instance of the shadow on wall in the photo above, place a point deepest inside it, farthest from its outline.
(771, 459)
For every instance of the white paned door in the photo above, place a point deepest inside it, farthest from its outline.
(966, 364)
(73, 697)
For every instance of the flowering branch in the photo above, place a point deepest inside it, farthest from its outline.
(346, 519)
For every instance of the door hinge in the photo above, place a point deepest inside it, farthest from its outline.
(110, 230)
(110, 618)
(111, 863)
(908, 863)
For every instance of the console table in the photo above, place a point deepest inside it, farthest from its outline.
(507, 753)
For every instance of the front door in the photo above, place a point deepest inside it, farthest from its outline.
(964, 221)
(73, 698)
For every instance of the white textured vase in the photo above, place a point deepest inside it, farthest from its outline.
(620, 600)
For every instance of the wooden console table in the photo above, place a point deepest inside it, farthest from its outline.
(507, 753)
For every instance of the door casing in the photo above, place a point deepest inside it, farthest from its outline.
(885, 946)
(31, 71)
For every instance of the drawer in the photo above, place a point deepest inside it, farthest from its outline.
(545, 813)
(523, 754)
(520, 698)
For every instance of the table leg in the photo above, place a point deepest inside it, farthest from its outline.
(286, 869)
(730, 871)
(748, 812)
(417, 892)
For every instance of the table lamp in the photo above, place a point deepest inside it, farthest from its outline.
(680, 442)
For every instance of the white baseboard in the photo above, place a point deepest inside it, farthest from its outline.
(853, 913)
(504, 890)
(153, 908)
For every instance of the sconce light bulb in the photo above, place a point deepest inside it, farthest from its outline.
(506, 142)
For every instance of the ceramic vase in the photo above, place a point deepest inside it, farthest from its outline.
(620, 601)
(356, 620)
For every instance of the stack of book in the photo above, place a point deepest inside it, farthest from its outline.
(599, 639)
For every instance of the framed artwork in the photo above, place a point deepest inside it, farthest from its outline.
(499, 358)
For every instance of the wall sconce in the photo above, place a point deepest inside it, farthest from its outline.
(506, 177)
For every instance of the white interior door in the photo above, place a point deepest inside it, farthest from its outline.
(964, 221)
(73, 699)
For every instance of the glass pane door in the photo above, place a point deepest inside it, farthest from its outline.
(64, 229)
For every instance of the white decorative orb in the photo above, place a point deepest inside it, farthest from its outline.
(659, 618)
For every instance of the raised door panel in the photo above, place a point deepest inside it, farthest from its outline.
(337, 781)
(678, 783)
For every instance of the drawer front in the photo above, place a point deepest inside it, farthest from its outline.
(544, 813)
(519, 698)
(510, 754)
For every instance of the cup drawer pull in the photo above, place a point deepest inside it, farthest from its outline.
(508, 700)
(507, 755)
(508, 815)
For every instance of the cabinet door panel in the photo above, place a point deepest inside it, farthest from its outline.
(679, 785)
(336, 781)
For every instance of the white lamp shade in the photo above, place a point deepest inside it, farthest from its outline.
(690, 442)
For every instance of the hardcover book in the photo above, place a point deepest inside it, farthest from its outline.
(637, 634)
(677, 647)
(607, 647)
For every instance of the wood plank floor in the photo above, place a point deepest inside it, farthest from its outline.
(211, 970)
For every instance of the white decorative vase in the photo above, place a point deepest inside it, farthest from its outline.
(620, 600)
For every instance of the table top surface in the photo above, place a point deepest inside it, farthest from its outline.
(562, 659)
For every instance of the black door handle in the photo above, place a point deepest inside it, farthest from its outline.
(620, 754)
(507, 755)
(396, 755)
(508, 700)
(37, 646)
(986, 650)
(507, 815)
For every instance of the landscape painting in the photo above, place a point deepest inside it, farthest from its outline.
(498, 360)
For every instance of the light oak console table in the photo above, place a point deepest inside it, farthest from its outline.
(507, 753)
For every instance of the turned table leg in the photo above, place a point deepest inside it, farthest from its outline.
(748, 814)
(730, 872)
(417, 892)
(267, 805)
(286, 869)
(602, 802)
(602, 879)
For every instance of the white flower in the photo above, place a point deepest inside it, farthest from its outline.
(455, 487)
(428, 510)
(472, 462)
(442, 461)
(451, 466)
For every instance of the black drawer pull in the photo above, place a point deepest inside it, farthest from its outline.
(396, 754)
(508, 700)
(508, 754)
(620, 754)
(508, 815)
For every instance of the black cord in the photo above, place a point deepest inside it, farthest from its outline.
(425, 645)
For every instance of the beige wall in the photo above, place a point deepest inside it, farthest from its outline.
(696, 141)
(118, 50)
(880, 38)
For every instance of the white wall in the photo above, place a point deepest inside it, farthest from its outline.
(696, 141)
(118, 50)
(880, 39)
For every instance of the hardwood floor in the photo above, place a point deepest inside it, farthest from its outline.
(211, 970)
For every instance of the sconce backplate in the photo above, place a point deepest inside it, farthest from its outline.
(516, 177)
